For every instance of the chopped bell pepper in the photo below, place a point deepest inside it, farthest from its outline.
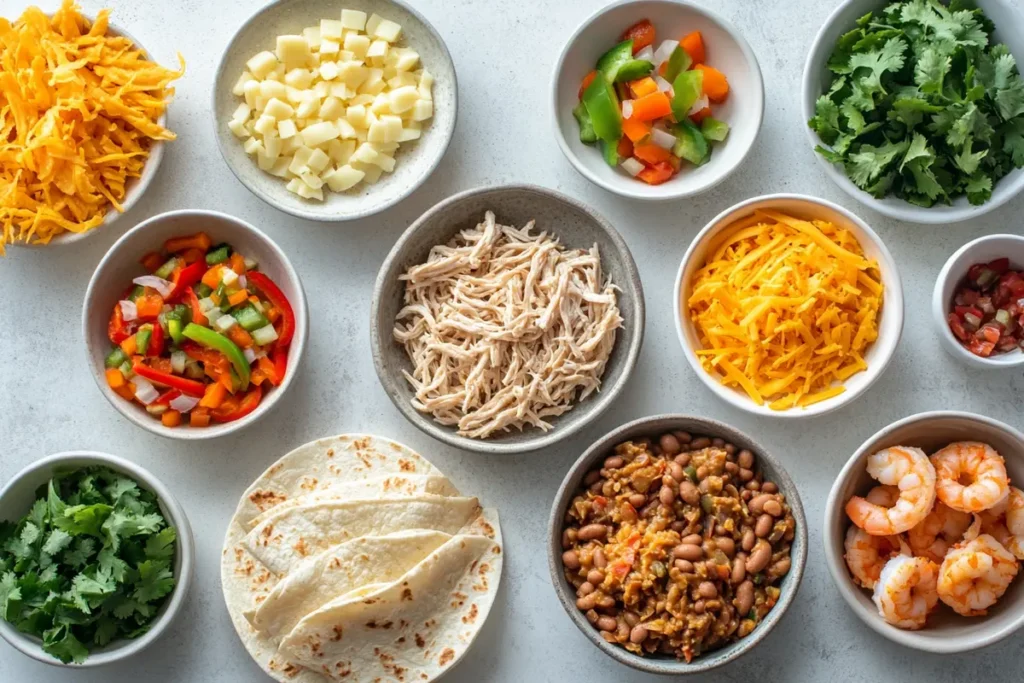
(117, 329)
(603, 106)
(219, 254)
(185, 278)
(142, 338)
(690, 143)
(678, 62)
(687, 89)
(115, 358)
(182, 384)
(235, 409)
(200, 240)
(276, 297)
(641, 33)
(218, 342)
(617, 65)
(587, 134)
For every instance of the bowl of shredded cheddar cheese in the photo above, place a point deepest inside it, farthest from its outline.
(788, 306)
(84, 128)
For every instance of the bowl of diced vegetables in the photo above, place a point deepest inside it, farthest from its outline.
(657, 99)
(195, 324)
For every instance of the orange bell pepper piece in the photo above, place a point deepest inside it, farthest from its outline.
(200, 240)
(651, 107)
(701, 115)
(625, 148)
(651, 154)
(238, 297)
(237, 262)
(214, 396)
(199, 417)
(152, 261)
(587, 80)
(127, 391)
(212, 277)
(716, 86)
(636, 131)
(148, 306)
(129, 346)
(643, 86)
(657, 174)
(115, 379)
(693, 43)
(171, 418)
(193, 255)
(241, 338)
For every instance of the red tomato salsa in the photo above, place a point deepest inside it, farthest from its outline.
(988, 309)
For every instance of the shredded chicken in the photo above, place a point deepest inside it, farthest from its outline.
(505, 329)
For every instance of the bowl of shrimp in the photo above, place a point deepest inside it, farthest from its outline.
(924, 531)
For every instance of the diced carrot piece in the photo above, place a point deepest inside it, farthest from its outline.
(241, 338)
(625, 148)
(651, 107)
(148, 306)
(127, 391)
(129, 346)
(636, 131)
(115, 379)
(272, 314)
(642, 86)
(657, 174)
(152, 261)
(171, 418)
(237, 263)
(192, 255)
(199, 417)
(716, 86)
(641, 33)
(214, 395)
(651, 154)
(200, 240)
(693, 43)
(701, 115)
(587, 80)
(238, 297)
(211, 278)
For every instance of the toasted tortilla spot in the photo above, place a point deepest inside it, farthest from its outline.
(406, 594)
(406, 466)
(419, 640)
(309, 483)
(447, 655)
(264, 500)
(338, 630)
(471, 617)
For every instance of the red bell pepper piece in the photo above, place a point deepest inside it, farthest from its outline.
(279, 356)
(276, 297)
(657, 174)
(168, 396)
(641, 33)
(182, 384)
(197, 312)
(232, 409)
(156, 341)
(185, 278)
(117, 329)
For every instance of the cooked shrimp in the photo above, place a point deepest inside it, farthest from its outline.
(905, 593)
(971, 476)
(943, 527)
(867, 554)
(1015, 523)
(886, 496)
(975, 573)
(910, 471)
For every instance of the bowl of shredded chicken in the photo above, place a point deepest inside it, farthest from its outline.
(506, 319)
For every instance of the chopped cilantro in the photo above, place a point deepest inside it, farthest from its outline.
(90, 563)
(922, 105)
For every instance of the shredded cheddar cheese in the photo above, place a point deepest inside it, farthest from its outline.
(785, 308)
(79, 108)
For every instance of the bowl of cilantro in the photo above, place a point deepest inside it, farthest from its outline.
(96, 558)
(916, 107)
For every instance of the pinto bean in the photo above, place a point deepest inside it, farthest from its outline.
(666, 495)
(614, 462)
(592, 476)
(571, 560)
(780, 568)
(585, 589)
(700, 443)
(688, 492)
(756, 504)
(638, 634)
(684, 566)
(587, 602)
(669, 444)
(675, 470)
(595, 576)
(682, 437)
(748, 540)
(707, 589)
(637, 500)
(759, 557)
(692, 539)
(739, 569)
(607, 623)
(726, 545)
(592, 532)
(764, 525)
(770, 487)
(718, 442)
(688, 551)
(773, 508)
(683, 459)
(744, 597)
(599, 559)
(592, 616)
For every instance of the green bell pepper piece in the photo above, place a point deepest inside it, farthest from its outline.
(587, 134)
(687, 87)
(203, 290)
(167, 268)
(612, 60)
(218, 342)
(221, 292)
(126, 369)
(678, 62)
(115, 358)
(138, 291)
(690, 143)
(250, 319)
(142, 338)
(633, 69)
(610, 152)
(713, 129)
(603, 106)
(218, 254)
(174, 328)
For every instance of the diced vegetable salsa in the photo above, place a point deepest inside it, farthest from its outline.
(988, 309)
(201, 337)
(650, 109)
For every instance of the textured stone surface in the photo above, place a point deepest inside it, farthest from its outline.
(503, 53)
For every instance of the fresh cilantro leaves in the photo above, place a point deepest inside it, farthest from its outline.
(922, 105)
(91, 562)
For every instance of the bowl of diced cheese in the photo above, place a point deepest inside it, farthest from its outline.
(334, 111)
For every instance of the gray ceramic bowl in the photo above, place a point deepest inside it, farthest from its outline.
(415, 161)
(577, 226)
(116, 270)
(17, 496)
(652, 427)
(946, 632)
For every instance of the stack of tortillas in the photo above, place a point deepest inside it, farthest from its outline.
(354, 559)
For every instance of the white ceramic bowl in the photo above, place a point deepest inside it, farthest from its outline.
(946, 632)
(17, 497)
(121, 264)
(1008, 17)
(889, 330)
(415, 160)
(981, 250)
(727, 51)
(134, 187)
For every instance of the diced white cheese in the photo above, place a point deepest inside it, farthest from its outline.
(330, 28)
(422, 110)
(322, 89)
(238, 128)
(312, 36)
(353, 74)
(286, 129)
(387, 129)
(343, 178)
(345, 129)
(407, 60)
(265, 124)
(331, 109)
(386, 30)
(319, 133)
(261, 64)
(371, 172)
(353, 19)
(384, 163)
(340, 151)
(403, 79)
(329, 47)
(409, 134)
(239, 88)
(280, 167)
(360, 100)
(272, 145)
(372, 23)
(278, 110)
(365, 153)
(241, 113)
(298, 164)
(381, 104)
(328, 71)
(357, 44)
(252, 146)
(403, 99)
(318, 160)
(378, 49)
(292, 51)
(340, 91)
(293, 185)
(312, 180)
(272, 89)
(308, 108)
(356, 115)
(251, 91)
(299, 78)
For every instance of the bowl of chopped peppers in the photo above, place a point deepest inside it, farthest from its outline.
(195, 323)
(978, 302)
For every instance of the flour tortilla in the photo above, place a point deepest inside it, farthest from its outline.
(282, 540)
(416, 628)
(347, 567)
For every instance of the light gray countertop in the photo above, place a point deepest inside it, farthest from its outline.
(504, 52)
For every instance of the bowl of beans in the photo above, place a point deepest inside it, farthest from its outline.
(676, 544)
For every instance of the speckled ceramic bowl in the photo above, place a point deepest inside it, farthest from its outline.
(415, 160)
(576, 226)
(17, 496)
(116, 270)
(652, 427)
(134, 187)
(946, 632)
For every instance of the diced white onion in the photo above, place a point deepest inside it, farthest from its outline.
(250, 355)
(265, 335)
(662, 138)
(225, 323)
(129, 311)
(258, 306)
(251, 264)
(260, 352)
(243, 282)
(664, 51)
(701, 102)
(632, 166)
(646, 54)
(144, 390)
(184, 403)
(228, 277)
(161, 285)
(178, 360)
(663, 85)
(206, 304)
(627, 109)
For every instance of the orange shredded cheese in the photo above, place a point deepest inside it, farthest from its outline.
(785, 308)
(79, 108)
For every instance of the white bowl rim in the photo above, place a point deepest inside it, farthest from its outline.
(449, 132)
(183, 581)
(300, 308)
(743, 402)
(140, 184)
(940, 305)
(683, 190)
(837, 569)
(892, 207)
